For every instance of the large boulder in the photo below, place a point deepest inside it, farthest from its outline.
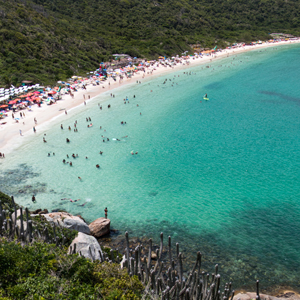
(87, 245)
(100, 227)
(67, 220)
(283, 296)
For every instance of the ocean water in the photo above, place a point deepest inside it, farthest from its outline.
(220, 176)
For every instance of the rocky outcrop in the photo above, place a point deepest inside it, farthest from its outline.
(18, 215)
(87, 246)
(67, 220)
(283, 296)
(100, 227)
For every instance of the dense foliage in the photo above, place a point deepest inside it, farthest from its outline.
(43, 271)
(48, 40)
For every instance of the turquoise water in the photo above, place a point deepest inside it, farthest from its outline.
(220, 176)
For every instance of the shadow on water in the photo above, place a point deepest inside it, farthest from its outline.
(282, 96)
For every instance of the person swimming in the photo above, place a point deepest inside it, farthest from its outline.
(98, 166)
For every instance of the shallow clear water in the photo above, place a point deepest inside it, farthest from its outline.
(220, 176)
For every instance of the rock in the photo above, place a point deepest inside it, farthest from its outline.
(153, 255)
(286, 295)
(36, 211)
(68, 221)
(100, 227)
(83, 243)
(18, 223)
(80, 216)
(18, 215)
(42, 212)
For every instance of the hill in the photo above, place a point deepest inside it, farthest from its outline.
(50, 40)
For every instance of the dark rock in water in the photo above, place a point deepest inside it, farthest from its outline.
(36, 211)
(153, 194)
(45, 211)
(58, 210)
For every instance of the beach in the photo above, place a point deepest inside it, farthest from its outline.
(10, 132)
(219, 176)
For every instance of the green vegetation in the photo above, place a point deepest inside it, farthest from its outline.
(43, 271)
(50, 40)
(7, 203)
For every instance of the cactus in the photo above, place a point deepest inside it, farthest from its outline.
(161, 245)
(149, 255)
(15, 210)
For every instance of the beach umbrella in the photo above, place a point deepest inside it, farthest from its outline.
(36, 92)
(3, 106)
(12, 102)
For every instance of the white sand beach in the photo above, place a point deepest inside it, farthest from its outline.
(10, 137)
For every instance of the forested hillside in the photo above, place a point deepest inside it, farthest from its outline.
(48, 40)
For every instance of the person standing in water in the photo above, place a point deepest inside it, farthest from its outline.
(105, 211)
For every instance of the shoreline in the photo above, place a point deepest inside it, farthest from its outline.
(10, 138)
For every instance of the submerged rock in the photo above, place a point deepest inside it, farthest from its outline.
(83, 243)
(67, 220)
(36, 211)
(100, 227)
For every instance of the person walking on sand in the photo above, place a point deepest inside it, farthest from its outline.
(105, 211)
